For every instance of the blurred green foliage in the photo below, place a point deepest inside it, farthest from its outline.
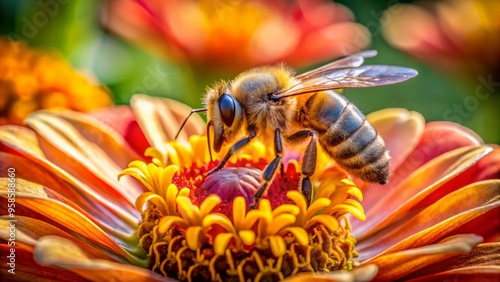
(72, 29)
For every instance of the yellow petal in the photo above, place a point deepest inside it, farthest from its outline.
(239, 211)
(299, 233)
(252, 217)
(219, 219)
(159, 202)
(188, 211)
(167, 221)
(193, 237)
(209, 203)
(301, 203)
(278, 246)
(280, 222)
(286, 209)
(221, 242)
(247, 236)
(327, 220)
(316, 206)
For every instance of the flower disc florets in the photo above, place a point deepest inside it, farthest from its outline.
(199, 228)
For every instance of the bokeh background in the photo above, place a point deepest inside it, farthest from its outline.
(176, 49)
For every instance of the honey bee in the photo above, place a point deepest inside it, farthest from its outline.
(275, 106)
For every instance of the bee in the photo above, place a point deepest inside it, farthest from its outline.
(273, 105)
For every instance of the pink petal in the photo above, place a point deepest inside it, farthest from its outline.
(434, 222)
(122, 120)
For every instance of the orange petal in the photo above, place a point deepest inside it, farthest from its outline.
(87, 149)
(437, 139)
(20, 138)
(396, 265)
(39, 174)
(23, 142)
(469, 274)
(359, 274)
(161, 119)
(29, 230)
(436, 221)
(65, 213)
(26, 269)
(397, 202)
(59, 252)
(481, 264)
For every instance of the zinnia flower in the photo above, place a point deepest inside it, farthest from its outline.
(436, 219)
(33, 80)
(458, 36)
(236, 34)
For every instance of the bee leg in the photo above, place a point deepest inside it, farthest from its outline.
(308, 159)
(270, 170)
(236, 147)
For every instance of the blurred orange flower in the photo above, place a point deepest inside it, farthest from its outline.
(33, 80)
(229, 34)
(436, 219)
(459, 36)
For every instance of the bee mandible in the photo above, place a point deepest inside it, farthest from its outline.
(273, 105)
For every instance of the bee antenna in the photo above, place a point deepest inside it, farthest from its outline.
(209, 125)
(184, 123)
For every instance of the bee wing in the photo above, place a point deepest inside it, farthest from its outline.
(356, 77)
(354, 60)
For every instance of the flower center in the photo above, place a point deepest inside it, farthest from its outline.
(205, 230)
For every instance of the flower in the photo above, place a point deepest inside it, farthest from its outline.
(230, 34)
(457, 36)
(436, 219)
(33, 80)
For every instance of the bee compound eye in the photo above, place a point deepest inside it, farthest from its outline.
(227, 108)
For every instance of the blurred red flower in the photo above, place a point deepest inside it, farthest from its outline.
(234, 34)
(458, 36)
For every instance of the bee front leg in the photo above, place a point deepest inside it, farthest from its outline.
(270, 170)
(308, 159)
(236, 147)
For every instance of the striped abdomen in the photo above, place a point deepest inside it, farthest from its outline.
(347, 137)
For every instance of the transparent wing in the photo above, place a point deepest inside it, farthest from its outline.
(351, 77)
(354, 60)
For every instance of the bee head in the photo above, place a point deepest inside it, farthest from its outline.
(225, 116)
